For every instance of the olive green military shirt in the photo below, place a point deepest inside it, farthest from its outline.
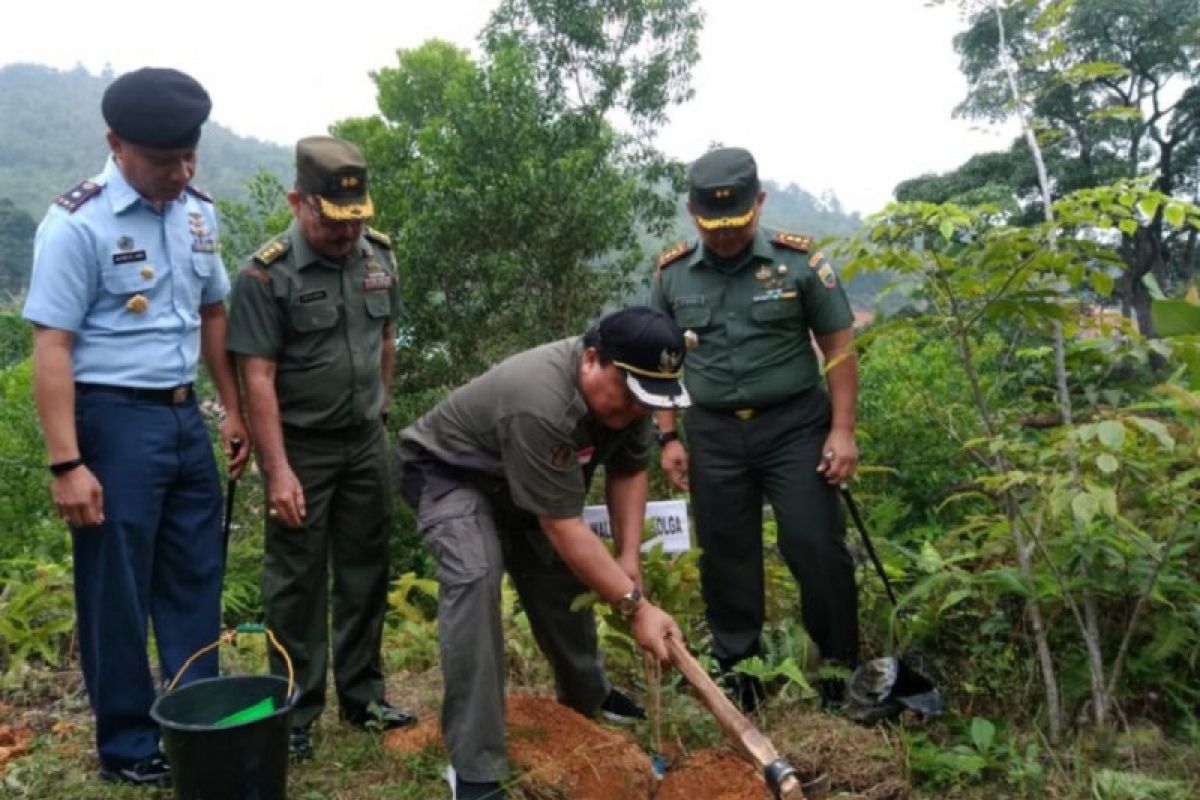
(321, 323)
(748, 322)
(524, 423)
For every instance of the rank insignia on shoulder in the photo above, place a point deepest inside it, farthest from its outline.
(674, 253)
(260, 275)
(272, 251)
(77, 195)
(378, 237)
(196, 191)
(792, 241)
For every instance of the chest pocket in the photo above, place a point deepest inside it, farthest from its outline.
(379, 304)
(313, 317)
(776, 311)
(127, 279)
(695, 312)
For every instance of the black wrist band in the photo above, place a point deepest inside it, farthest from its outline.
(63, 467)
(662, 437)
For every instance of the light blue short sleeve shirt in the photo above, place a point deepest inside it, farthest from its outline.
(128, 281)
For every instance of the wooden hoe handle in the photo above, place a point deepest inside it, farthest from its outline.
(757, 746)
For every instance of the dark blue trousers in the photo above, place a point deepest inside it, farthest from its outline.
(157, 556)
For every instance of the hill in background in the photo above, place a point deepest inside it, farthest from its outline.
(52, 137)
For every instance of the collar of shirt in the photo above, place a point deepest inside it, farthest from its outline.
(120, 193)
(305, 256)
(760, 250)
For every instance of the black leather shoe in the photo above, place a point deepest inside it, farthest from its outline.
(152, 771)
(300, 745)
(379, 717)
(619, 707)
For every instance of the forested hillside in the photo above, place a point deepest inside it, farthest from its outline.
(52, 136)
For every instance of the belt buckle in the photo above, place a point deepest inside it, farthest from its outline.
(743, 413)
(179, 394)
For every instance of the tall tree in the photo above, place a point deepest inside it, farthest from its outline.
(17, 229)
(1114, 86)
(514, 207)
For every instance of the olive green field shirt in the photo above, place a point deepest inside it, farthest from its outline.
(524, 423)
(321, 323)
(748, 322)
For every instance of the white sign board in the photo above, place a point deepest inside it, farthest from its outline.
(668, 519)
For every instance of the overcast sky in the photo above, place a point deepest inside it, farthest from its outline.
(850, 96)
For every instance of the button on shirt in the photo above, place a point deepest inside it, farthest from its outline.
(128, 281)
(322, 324)
(751, 320)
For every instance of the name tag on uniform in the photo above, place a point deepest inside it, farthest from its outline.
(313, 296)
(204, 245)
(377, 281)
(130, 257)
(685, 302)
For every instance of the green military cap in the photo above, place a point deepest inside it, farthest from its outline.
(723, 187)
(335, 171)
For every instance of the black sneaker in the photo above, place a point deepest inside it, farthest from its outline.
(618, 707)
(472, 790)
(152, 771)
(746, 691)
(833, 694)
(300, 745)
(380, 716)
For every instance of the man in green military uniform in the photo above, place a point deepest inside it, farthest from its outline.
(748, 299)
(497, 474)
(312, 323)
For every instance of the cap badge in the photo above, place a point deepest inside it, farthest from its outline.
(349, 182)
(669, 361)
(721, 194)
(691, 338)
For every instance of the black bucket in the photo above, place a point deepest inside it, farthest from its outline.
(212, 759)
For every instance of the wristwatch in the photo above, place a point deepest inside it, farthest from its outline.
(662, 437)
(629, 602)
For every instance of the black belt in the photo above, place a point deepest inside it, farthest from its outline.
(344, 432)
(173, 396)
(749, 412)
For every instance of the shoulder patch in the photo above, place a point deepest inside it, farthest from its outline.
(259, 274)
(198, 192)
(77, 195)
(378, 237)
(674, 253)
(792, 241)
(272, 251)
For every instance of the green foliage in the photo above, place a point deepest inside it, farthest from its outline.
(1111, 784)
(16, 339)
(247, 224)
(17, 228)
(36, 616)
(52, 137)
(981, 752)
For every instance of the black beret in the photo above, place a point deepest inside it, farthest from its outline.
(155, 107)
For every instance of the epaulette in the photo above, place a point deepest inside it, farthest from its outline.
(272, 251)
(378, 237)
(77, 195)
(792, 241)
(196, 192)
(674, 253)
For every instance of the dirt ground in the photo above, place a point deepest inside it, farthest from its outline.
(560, 754)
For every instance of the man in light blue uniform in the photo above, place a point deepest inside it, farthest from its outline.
(126, 296)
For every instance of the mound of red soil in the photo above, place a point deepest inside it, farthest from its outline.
(713, 775)
(552, 746)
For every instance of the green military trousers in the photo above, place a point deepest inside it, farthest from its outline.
(473, 545)
(736, 460)
(344, 474)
